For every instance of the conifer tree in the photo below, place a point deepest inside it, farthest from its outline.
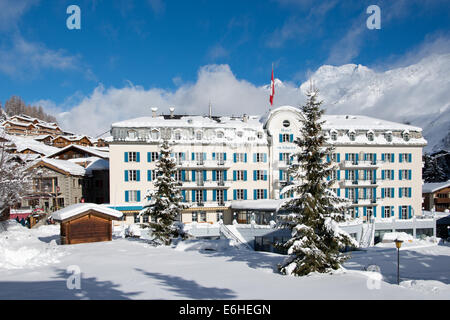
(314, 210)
(165, 202)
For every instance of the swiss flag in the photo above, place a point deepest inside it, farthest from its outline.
(272, 89)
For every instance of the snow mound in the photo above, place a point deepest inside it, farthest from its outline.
(427, 286)
(206, 245)
(21, 247)
(392, 236)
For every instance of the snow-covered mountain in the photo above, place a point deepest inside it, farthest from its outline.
(418, 94)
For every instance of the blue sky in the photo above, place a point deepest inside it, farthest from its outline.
(163, 44)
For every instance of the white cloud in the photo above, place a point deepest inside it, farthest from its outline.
(12, 10)
(418, 93)
(22, 59)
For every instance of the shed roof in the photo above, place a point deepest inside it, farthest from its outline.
(79, 208)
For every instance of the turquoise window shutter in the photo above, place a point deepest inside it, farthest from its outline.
(193, 175)
(138, 175)
(409, 174)
(245, 175)
(126, 175)
(245, 194)
(399, 192)
(138, 157)
(265, 157)
(214, 156)
(410, 157)
(234, 157)
(383, 157)
(138, 196)
(382, 211)
(225, 176)
(193, 196)
(149, 157)
(291, 138)
(338, 157)
(193, 156)
(149, 175)
(225, 195)
(265, 175)
(375, 212)
(214, 175)
(265, 193)
(400, 158)
(392, 157)
(245, 158)
(234, 175)
(225, 156)
(254, 195)
(205, 198)
(281, 156)
(281, 137)
(204, 175)
(234, 194)
(126, 156)
(214, 195)
(127, 197)
(254, 157)
(183, 175)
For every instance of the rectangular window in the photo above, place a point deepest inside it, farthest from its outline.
(260, 194)
(404, 212)
(194, 217)
(260, 157)
(132, 175)
(260, 175)
(387, 192)
(387, 212)
(239, 157)
(285, 158)
(387, 157)
(132, 156)
(154, 156)
(133, 196)
(285, 137)
(240, 175)
(240, 194)
(219, 196)
(405, 157)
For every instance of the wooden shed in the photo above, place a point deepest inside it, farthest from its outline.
(86, 222)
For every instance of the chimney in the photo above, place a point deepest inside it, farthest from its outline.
(154, 112)
(171, 109)
(245, 118)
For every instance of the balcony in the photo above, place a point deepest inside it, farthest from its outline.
(359, 164)
(204, 164)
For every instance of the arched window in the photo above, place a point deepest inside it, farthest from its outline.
(388, 136)
(177, 135)
(370, 136)
(352, 135)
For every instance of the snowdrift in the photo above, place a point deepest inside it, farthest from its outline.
(21, 247)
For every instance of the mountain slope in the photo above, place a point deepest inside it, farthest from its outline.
(418, 94)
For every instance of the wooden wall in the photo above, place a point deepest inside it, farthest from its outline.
(89, 227)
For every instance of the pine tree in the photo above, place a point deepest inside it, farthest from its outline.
(165, 202)
(315, 209)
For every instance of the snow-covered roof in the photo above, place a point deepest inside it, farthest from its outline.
(65, 165)
(434, 186)
(79, 208)
(24, 143)
(262, 205)
(90, 150)
(94, 163)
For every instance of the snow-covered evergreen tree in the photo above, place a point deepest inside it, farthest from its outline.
(432, 170)
(165, 202)
(314, 210)
(15, 179)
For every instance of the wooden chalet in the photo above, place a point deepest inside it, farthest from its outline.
(64, 141)
(85, 223)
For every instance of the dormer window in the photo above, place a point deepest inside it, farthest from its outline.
(199, 135)
(388, 136)
(370, 136)
(155, 134)
(220, 134)
(177, 135)
(406, 136)
(259, 135)
(333, 135)
(286, 123)
(352, 135)
(132, 134)
(240, 134)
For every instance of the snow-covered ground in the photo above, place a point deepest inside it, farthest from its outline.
(132, 269)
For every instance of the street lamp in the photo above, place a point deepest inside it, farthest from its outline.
(398, 244)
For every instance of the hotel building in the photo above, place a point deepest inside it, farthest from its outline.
(222, 160)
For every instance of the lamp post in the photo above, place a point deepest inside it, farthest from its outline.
(398, 244)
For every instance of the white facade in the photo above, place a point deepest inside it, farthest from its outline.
(223, 159)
